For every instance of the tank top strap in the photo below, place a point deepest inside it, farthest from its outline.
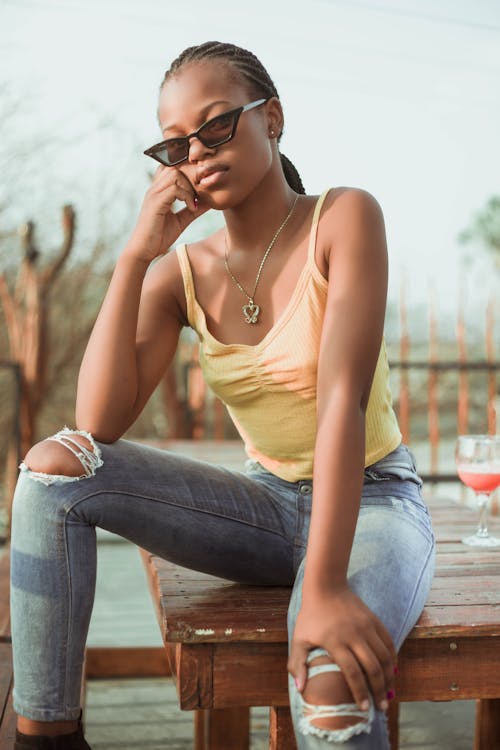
(187, 278)
(314, 225)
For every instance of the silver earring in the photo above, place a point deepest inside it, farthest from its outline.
(272, 132)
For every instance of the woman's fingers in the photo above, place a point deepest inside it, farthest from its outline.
(297, 663)
(376, 666)
(171, 190)
(174, 185)
(354, 676)
(386, 638)
(388, 656)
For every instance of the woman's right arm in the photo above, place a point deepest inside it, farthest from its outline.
(136, 332)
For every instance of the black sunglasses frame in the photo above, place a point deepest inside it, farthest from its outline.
(237, 112)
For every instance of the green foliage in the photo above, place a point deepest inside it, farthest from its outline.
(485, 227)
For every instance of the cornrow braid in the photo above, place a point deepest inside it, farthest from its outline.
(249, 67)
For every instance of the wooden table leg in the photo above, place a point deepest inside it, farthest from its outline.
(281, 734)
(222, 729)
(487, 734)
(393, 724)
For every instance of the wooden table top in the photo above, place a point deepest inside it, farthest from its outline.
(464, 598)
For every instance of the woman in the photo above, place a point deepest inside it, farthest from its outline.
(288, 301)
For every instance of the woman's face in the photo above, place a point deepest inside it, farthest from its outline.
(224, 175)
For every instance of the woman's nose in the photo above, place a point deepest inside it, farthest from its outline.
(198, 150)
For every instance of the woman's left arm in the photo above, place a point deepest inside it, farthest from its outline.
(331, 615)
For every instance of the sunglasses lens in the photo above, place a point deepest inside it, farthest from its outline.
(173, 151)
(218, 130)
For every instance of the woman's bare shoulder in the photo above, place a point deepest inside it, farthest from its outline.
(343, 197)
(164, 280)
(347, 210)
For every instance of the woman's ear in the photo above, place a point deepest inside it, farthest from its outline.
(275, 118)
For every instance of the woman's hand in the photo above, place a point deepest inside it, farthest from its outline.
(355, 638)
(158, 227)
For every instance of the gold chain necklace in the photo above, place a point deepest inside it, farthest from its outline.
(251, 310)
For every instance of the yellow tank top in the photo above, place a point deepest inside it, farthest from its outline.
(270, 388)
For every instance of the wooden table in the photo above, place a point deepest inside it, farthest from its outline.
(228, 642)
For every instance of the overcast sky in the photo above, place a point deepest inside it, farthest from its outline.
(399, 97)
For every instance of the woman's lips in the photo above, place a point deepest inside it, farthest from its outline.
(211, 178)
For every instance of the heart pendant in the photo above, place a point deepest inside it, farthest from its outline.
(251, 312)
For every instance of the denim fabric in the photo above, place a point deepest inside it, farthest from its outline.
(391, 568)
(249, 527)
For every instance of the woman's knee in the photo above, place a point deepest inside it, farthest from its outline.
(328, 706)
(67, 455)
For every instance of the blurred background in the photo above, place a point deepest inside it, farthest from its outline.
(399, 98)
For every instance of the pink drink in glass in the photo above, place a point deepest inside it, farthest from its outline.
(480, 479)
(478, 466)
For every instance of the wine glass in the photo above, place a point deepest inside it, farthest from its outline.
(478, 466)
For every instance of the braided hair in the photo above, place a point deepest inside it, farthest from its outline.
(249, 67)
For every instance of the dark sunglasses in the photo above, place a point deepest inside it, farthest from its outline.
(212, 133)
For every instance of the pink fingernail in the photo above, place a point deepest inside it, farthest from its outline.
(196, 202)
(297, 683)
(391, 694)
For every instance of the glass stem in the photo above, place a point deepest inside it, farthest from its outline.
(482, 501)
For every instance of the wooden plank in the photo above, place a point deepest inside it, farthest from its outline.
(5, 674)
(457, 621)
(462, 591)
(448, 534)
(457, 557)
(454, 546)
(448, 669)
(248, 674)
(194, 676)
(235, 594)
(281, 734)
(8, 726)
(5, 634)
(259, 614)
(154, 588)
(469, 569)
(435, 669)
(202, 631)
(109, 662)
(7, 715)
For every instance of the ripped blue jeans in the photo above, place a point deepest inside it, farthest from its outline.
(247, 527)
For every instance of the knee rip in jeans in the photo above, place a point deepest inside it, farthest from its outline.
(312, 713)
(90, 459)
